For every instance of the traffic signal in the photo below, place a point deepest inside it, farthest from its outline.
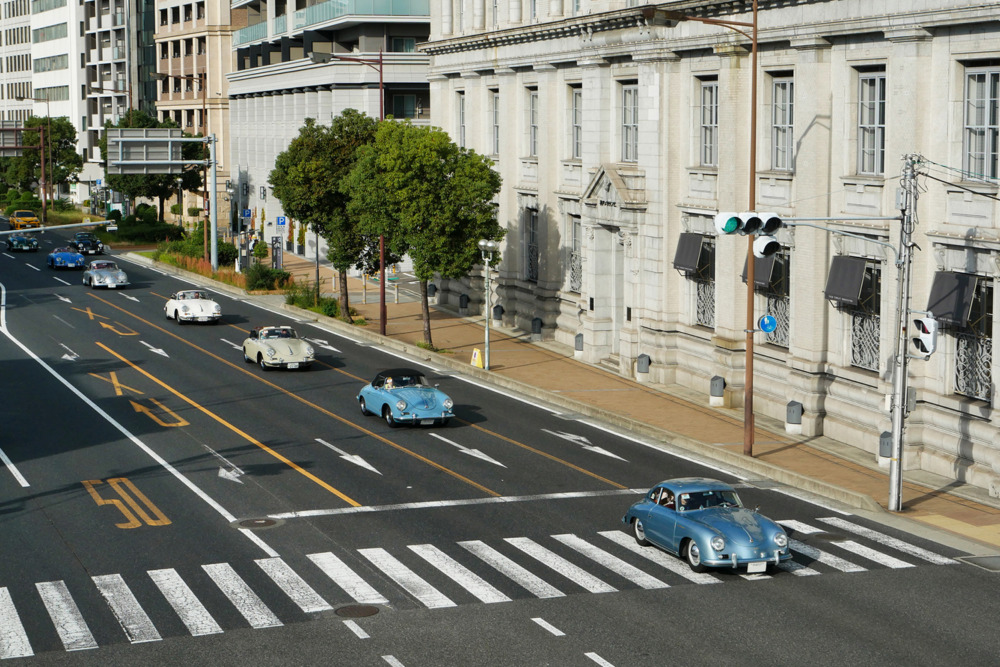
(761, 225)
(925, 342)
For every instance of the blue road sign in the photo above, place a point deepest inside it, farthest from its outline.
(281, 220)
(767, 323)
(246, 213)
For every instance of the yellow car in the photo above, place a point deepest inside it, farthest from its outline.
(24, 220)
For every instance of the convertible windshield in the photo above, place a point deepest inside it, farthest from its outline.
(278, 333)
(196, 294)
(104, 265)
(700, 500)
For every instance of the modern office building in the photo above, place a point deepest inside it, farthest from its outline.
(619, 134)
(15, 61)
(375, 67)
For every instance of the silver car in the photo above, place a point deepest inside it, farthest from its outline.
(104, 273)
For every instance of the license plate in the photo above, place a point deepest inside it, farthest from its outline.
(203, 319)
(294, 364)
(112, 286)
(753, 568)
(426, 422)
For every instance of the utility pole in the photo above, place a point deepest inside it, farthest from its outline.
(909, 195)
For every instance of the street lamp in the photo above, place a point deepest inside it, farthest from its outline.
(201, 79)
(487, 247)
(665, 17)
(180, 202)
(47, 182)
(376, 64)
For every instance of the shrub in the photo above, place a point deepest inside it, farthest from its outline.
(227, 253)
(260, 250)
(194, 211)
(262, 277)
(63, 204)
(115, 215)
(175, 209)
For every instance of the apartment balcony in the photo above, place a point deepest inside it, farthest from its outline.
(330, 11)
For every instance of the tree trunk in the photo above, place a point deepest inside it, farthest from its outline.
(161, 202)
(345, 299)
(425, 311)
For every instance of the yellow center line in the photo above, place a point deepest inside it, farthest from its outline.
(284, 391)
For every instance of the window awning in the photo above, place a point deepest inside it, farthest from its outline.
(763, 269)
(688, 252)
(846, 277)
(951, 297)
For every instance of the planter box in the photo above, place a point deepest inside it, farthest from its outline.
(300, 250)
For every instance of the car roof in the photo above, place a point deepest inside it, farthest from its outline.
(392, 372)
(695, 484)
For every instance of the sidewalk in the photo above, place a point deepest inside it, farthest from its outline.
(678, 417)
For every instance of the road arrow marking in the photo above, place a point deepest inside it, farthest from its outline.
(139, 407)
(233, 345)
(130, 332)
(128, 296)
(70, 354)
(63, 298)
(231, 475)
(350, 458)
(154, 349)
(323, 344)
(471, 452)
(583, 442)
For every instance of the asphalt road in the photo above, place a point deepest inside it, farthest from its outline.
(163, 501)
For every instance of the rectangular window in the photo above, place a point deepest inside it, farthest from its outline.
(576, 122)
(974, 346)
(404, 106)
(404, 44)
(496, 122)
(532, 123)
(630, 122)
(460, 108)
(782, 146)
(866, 320)
(575, 253)
(531, 245)
(48, 33)
(709, 124)
(871, 124)
(52, 63)
(982, 116)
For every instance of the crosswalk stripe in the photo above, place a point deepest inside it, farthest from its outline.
(505, 566)
(561, 565)
(134, 621)
(241, 595)
(598, 555)
(889, 541)
(13, 639)
(659, 557)
(348, 579)
(797, 569)
(294, 586)
(847, 545)
(66, 616)
(458, 573)
(872, 554)
(188, 607)
(431, 597)
(824, 557)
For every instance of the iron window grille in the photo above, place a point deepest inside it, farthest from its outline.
(974, 346)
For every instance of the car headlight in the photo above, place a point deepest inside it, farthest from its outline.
(448, 404)
(217, 309)
(781, 540)
(400, 405)
(185, 309)
(309, 351)
(270, 352)
(718, 543)
(121, 276)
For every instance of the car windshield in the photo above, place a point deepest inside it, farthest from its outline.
(195, 294)
(700, 500)
(61, 250)
(104, 265)
(278, 333)
(85, 237)
(23, 214)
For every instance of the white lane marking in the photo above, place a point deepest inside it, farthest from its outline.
(458, 573)
(134, 621)
(13, 469)
(890, 541)
(598, 659)
(431, 597)
(348, 579)
(350, 458)
(13, 639)
(533, 584)
(157, 350)
(356, 629)
(467, 450)
(232, 344)
(814, 553)
(294, 586)
(66, 616)
(548, 626)
(556, 562)
(31, 266)
(61, 280)
(189, 608)
(616, 565)
(455, 503)
(659, 557)
(872, 554)
(392, 661)
(242, 596)
(797, 569)
(249, 534)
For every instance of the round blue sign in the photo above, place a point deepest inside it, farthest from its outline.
(767, 323)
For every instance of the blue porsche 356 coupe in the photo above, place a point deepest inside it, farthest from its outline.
(704, 521)
(402, 395)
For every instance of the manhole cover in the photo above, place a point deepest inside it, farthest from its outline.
(257, 524)
(356, 611)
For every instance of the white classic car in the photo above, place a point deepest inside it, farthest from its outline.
(102, 273)
(277, 347)
(192, 305)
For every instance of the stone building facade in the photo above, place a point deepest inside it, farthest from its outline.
(620, 134)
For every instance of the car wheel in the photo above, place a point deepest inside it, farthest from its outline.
(640, 533)
(693, 554)
(387, 416)
(364, 408)
(177, 318)
(246, 358)
(260, 360)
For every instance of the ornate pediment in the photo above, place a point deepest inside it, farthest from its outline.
(616, 186)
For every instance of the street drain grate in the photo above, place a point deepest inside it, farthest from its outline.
(991, 563)
(257, 524)
(356, 611)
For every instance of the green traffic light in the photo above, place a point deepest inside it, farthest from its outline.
(731, 225)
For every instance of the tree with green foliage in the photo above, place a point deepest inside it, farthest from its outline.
(306, 180)
(25, 171)
(430, 198)
(153, 186)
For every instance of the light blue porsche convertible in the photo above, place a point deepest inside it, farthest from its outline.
(703, 521)
(402, 395)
